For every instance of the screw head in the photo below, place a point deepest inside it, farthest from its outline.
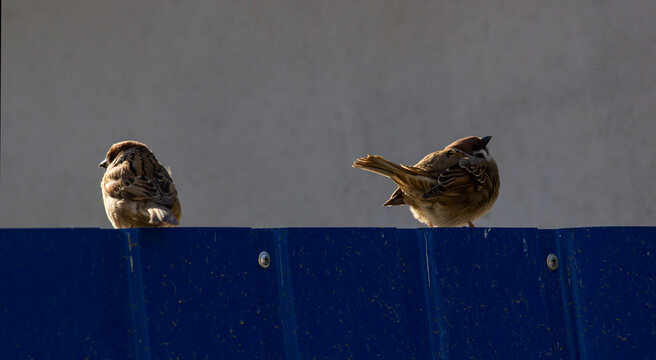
(552, 262)
(264, 259)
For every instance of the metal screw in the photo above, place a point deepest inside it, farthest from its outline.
(552, 262)
(264, 259)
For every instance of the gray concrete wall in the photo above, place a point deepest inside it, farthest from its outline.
(259, 107)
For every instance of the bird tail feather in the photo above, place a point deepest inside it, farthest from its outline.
(404, 176)
(379, 165)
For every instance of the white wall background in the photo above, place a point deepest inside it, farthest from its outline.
(259, 107)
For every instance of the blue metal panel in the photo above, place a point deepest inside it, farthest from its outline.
(486, 287)
(64, 295)
(611, 291)
(346, 293)
(206, 295)
(387, 293)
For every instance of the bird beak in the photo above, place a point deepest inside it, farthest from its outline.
(103, 164)
(486, 140)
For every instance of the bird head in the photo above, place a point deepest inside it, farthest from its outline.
(118, 148)
(472, 145)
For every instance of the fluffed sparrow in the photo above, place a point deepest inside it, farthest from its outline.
(450, 187)
(137, 190)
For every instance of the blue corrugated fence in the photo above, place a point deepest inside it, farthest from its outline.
(329, 293)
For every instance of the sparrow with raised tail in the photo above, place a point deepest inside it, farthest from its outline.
(137, 190)
(450, 187)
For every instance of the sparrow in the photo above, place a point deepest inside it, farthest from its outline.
(449, 187)
(137, 190)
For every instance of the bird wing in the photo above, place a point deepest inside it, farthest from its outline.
(415, 178)
(141, 178)
(468, 174)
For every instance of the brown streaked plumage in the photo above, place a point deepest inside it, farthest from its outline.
(449, 187)
(137, 190)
